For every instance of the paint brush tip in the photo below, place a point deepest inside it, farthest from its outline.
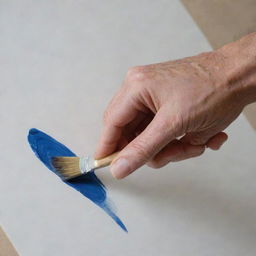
(67, 167)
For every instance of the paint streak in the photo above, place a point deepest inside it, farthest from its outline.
(45, 147)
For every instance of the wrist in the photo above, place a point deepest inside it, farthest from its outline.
(239, 67)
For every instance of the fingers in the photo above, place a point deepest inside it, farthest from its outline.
(211, 140)
(119, 113)
(203, 137)
(217, 141)
(197, 138)
(149, 142)
(176, 151)
(137, 125)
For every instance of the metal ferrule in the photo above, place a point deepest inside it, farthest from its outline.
(86, 164)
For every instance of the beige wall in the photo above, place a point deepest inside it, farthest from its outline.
(6, 248)
(223, 21)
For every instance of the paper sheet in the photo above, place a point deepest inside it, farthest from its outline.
(60, 64)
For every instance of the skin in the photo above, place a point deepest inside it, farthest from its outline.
(173, 111)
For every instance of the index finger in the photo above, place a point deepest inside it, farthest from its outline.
(118, 114)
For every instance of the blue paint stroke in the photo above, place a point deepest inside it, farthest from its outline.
(45, 147)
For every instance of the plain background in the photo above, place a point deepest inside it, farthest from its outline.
(60, 63)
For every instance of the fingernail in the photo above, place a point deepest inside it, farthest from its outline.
(120, 168)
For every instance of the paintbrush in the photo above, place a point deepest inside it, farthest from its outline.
(71, 167)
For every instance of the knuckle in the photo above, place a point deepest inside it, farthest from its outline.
(173, 126)
(138, 73)
(198, 140)
(140, 150)
(198, 153)
(155, 164)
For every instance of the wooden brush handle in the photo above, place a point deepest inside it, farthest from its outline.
(104, 161)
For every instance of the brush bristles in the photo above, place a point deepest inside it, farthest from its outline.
(67, 167)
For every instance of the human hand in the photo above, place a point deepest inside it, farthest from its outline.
(170, 112)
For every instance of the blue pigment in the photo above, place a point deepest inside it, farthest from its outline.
(45, 147)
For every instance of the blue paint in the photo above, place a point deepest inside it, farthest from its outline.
(45, 147)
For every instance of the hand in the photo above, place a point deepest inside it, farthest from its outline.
(169, 112)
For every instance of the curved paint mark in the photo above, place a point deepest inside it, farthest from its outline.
(45, 147)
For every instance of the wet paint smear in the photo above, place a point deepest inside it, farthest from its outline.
(45, 147)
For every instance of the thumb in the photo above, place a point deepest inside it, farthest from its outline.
(157, 135)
